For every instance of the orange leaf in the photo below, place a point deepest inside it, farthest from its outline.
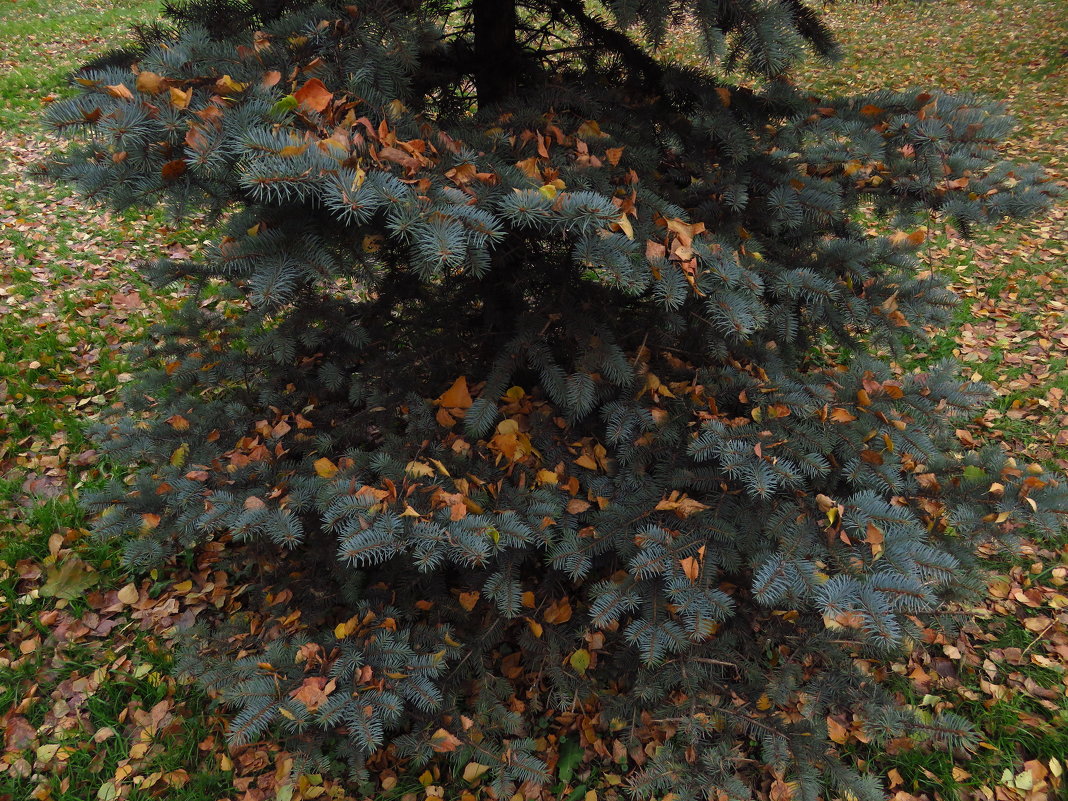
(587, 461)
(468, 600)
(120, 90)
(173, 169)
(547, 477)
(150, 83)
(313, 692)
(529, 167)
(690, 567)
(457, 396)
(444, 741)
(577, 506)
(874, 537)
(685, 231)
(558, 611)
(314, 95)
(836, 731)
(292, 150)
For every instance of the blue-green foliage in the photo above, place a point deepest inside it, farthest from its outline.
(653, 483)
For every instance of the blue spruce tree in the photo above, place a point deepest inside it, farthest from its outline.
(510, 363)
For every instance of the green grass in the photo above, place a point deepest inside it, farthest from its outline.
(62, 341)
(42, 41)
(969, 46)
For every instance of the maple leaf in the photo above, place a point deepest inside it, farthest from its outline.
(69, 580)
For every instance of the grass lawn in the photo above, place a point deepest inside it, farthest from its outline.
(88, 706)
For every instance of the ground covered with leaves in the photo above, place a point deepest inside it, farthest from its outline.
(89, 705)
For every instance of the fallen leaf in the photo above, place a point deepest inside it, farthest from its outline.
(69, 580)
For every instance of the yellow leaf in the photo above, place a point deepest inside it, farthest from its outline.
(580, 661)
(548, 190)
(325, 468)
(473, 771)
(228, 84)
(180, 99)
(836, 731)
(763, 702)
(624, 225)
(590, 128)
(586, 461)
(128, 594)
(851, 167)
(417, 469)
(181, 453)
(547, 477)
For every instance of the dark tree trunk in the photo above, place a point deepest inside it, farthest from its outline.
(496, 71)
(496, 50)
